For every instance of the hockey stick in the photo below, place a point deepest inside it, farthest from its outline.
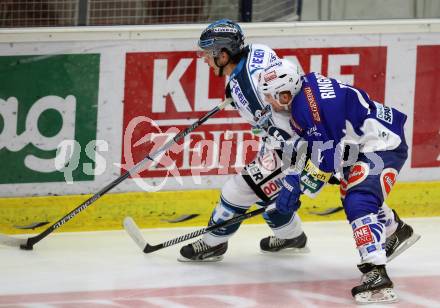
(134, 232)
(329, 211)
(28, 243)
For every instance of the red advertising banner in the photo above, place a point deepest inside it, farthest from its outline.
(170, 90)
(426, 128)
(363, 67)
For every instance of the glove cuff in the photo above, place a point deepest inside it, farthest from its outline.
(288, 186)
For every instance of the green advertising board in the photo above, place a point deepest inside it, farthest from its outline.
(45, 101)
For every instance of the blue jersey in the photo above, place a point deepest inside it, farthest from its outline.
(329, 114)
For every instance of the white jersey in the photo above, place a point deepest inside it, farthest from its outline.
(248, 99)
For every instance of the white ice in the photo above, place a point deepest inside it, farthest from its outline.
(107, 269)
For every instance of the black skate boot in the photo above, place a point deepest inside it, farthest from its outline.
(403, 238)
(200, 252)
(376, 286)
(274, 244)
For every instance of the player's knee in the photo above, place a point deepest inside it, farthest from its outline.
(225, 211)
(358, 204)
(237, 192)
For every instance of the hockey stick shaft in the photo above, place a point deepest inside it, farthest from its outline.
(134, 170)
(151, 248)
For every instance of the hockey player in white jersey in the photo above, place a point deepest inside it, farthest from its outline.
(222, 46)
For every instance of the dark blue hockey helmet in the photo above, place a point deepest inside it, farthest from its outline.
(223, 34)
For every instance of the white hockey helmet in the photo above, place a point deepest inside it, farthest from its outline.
(281, 76)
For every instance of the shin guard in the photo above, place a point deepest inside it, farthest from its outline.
(369, 235)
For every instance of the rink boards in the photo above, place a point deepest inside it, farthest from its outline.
(77, 104)
(156, 210)
(81, 106)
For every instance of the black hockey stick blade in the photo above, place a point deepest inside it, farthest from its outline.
(328, 211)
(181, 218)
(32, 225)
(151, 248)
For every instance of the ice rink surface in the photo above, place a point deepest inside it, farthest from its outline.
(106, 269)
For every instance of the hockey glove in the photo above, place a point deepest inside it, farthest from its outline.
(288, 198)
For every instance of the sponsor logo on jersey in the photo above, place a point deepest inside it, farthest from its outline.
(273, 186)
(384, 113)
(318, 174)
(268, 161)
(238, 94)
(270, 76)
(312, 104)
(309, 183)
(313, 131)
(383, 134)
(254, 171)
(358, 173)
(387, 179)
(273, 58)
(257, 58)
(273, 64)
(363, 236)
(343, 188)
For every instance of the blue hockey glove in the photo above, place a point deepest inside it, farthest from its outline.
(288, 198)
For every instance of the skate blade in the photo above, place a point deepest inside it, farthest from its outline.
(404, 246)
(286, 251)
(385, 296)
(207, 260)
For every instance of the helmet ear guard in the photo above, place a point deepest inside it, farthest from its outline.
(280, 77)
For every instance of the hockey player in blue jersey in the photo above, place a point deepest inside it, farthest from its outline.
(223, 49)
(348, 133)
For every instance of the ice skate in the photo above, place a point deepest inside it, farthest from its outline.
(376, 286)
(200, 252)
(403, 238)
(274, 244)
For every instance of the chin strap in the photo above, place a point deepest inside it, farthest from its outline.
(221, 67)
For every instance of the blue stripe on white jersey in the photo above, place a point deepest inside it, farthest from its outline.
(244, 81)
(253, 69)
